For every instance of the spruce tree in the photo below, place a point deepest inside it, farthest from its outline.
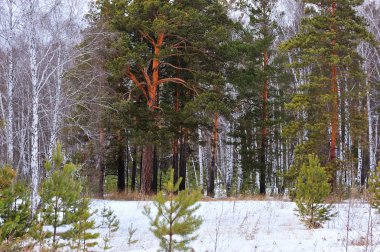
(311, 190)
(175, 222)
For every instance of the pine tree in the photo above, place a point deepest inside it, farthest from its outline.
(154, 50)
(374, 188)
(81, 234)
(60, 194)
(311, 189)
(111, 223)
(256, 82)
(331, 77)
(175, 221)
(14, 211)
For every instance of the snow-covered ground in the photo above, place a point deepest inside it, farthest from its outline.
(255, 226)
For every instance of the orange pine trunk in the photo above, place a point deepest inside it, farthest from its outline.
(152, 89)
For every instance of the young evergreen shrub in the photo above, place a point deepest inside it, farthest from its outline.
(111, 223)
(175, 222)
(374, 188)
(60, 193)
(81, 232)
(63, 205)
(311, 190)
(14, 211)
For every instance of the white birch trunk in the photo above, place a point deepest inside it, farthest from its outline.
(360, 162)
(10, 86)
(57, 104)
(239, 173)
(371, 138)
(34, 164)
(9, 123)
(347, 137)
(229, 160)
(200, 160)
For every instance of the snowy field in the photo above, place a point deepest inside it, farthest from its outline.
(255, 226)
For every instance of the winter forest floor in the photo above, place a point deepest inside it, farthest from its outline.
(255, 226)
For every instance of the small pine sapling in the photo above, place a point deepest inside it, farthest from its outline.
(14, 211)
(81, 232)
(311, 190)
(60, 193)
(175, 221)
(131, 233)
(111, 223)
(374, 188)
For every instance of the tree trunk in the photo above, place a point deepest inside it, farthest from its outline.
(175, 143)
(9, 124)
(200, 159)
(10, 87)
(229, 158)
(239, 172)
(175, 160)
(214, 146)
(155, 170)
(183, 161)
(141, 167)
(360, 163)
(134, 168)
(264, 131)
(34, 164)
(120, 164)
(57, 105)
(147, 169)
(371, 139)
(127, 155)
(334, 112)
(101, 164)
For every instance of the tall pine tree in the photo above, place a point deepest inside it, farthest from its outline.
(331, 75)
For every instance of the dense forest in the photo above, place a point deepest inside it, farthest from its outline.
(233, 95)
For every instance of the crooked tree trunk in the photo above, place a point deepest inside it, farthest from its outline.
(149, 87)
